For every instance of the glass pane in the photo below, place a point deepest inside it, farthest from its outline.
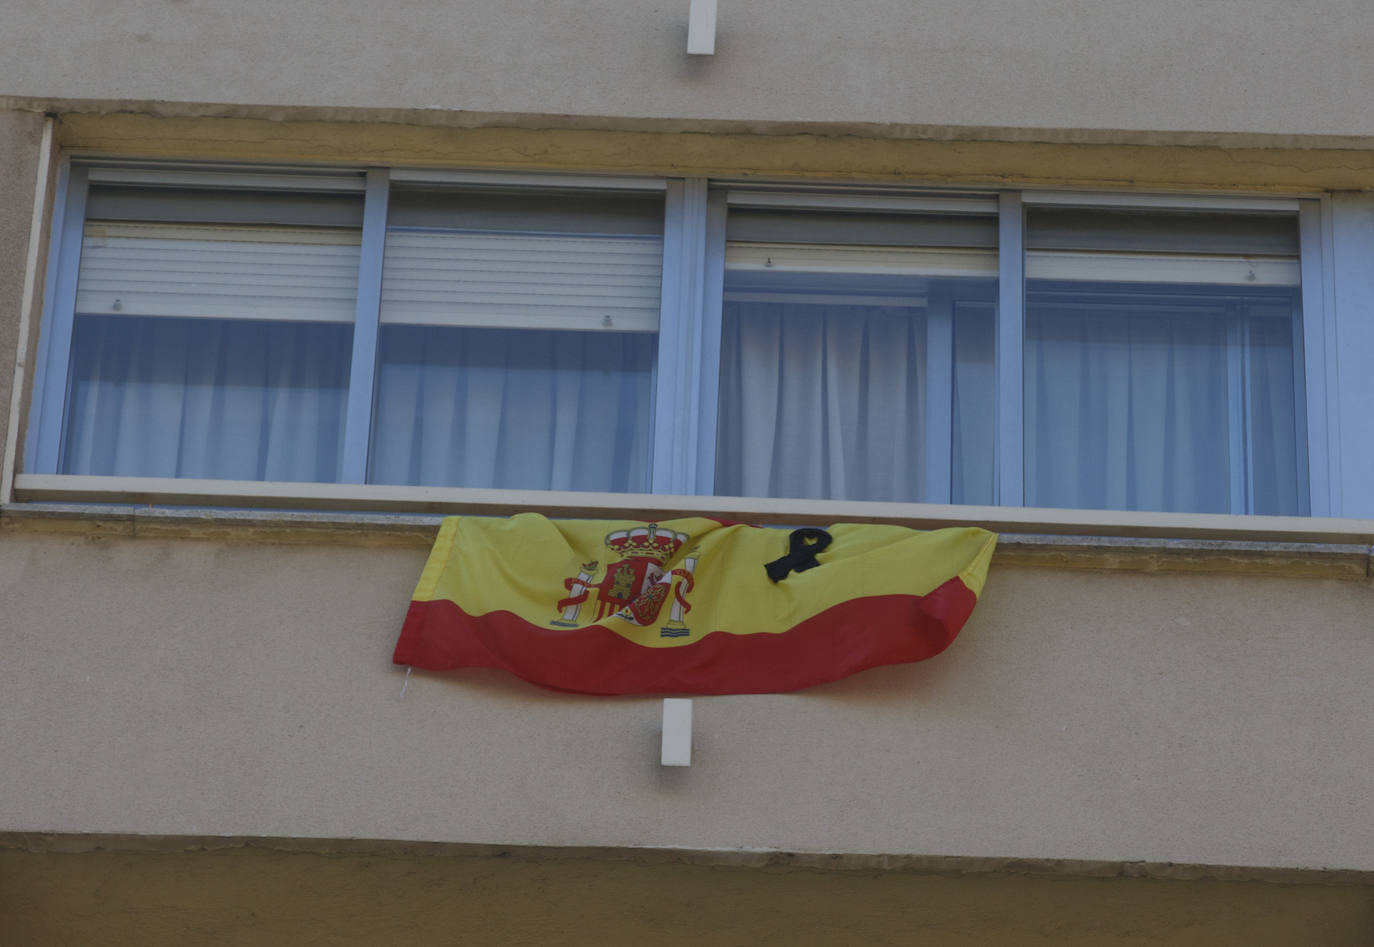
(1126, 410)
(854, 366)
(212, 334)
(216, 398)
(822, 401)
(1160, 372)
(513, 408)
(518, 339)
(1278, 473)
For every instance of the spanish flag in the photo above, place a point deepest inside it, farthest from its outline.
(687, 606)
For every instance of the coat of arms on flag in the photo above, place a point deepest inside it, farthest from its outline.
(692, 606)
(634, 587)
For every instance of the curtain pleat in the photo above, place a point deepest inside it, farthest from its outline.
(519, 409)
(1278, 483)
(822, 402)
(201, 398)
(1133, 411)
(973, 405)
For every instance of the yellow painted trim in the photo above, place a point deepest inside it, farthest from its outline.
(808, 155)
(252, 894)
(99, 843)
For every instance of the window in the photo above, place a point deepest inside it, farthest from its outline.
(212, 334)
(856, 355)
(556, 332)
(518, 335)
(227, 325)
(1161, 362)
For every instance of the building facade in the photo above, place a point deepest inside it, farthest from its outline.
(280, 285)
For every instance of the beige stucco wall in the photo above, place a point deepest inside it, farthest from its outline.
(1251, 66)
(156, 686)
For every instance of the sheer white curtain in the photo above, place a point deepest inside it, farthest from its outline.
(225, 399)
(1161, 363)
(822, 401)
(1135, 410)
(1277, 466)
(973, 404)
(531, 409)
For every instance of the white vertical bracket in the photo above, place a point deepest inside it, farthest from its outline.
(701, 28)
(677, 732)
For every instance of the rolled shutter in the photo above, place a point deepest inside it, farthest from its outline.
(1179, 249)
(522, 280)
(220, 271)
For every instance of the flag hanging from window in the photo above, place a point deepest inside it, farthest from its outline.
(688, 606)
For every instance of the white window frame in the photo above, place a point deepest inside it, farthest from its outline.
(686, 376)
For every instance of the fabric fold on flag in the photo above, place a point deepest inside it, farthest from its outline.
(687, 606)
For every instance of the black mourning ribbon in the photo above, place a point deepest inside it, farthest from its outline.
(803, 545)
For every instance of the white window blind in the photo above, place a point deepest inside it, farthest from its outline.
(896, 261)
(522, 280)
(1202, 269)
(1181, 248)
(221, 271)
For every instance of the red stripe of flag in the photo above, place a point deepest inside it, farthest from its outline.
(851, 636)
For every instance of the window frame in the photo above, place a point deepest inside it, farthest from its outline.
(686, 376)
(1315, 328)
(939, 383)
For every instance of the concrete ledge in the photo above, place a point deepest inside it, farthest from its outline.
(466, 119)
(1341, 560)
(1127, 554)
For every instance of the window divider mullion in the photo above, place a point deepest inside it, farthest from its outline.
(366, 330)
(1314, 398)
(56, 361)
(1010, 351)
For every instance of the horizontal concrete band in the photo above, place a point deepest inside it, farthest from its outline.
(1335, 558)
(68, 844)
(79, 109)
(933, 155)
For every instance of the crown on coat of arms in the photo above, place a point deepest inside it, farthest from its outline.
(646, 542)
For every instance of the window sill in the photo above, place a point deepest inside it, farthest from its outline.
(409, 516)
